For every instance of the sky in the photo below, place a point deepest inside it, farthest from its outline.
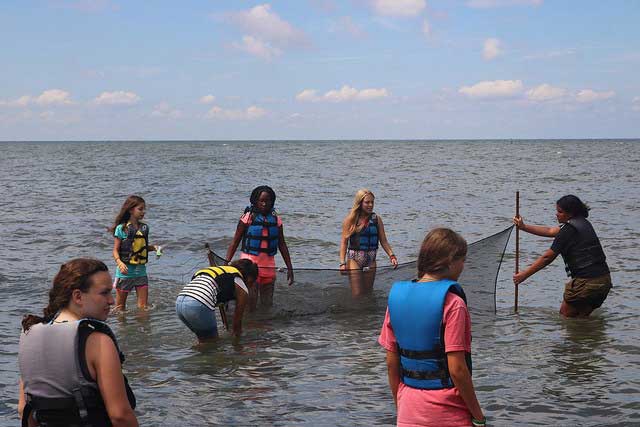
(319, 69)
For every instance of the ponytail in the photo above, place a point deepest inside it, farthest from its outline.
(75, 274)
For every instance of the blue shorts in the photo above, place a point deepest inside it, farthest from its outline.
(197, 317)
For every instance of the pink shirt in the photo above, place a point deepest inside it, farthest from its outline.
(439, 408)
(262, 259)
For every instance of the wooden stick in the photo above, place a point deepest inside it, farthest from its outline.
(517, 249)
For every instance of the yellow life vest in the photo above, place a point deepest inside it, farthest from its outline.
(214, 272)
(133, 248)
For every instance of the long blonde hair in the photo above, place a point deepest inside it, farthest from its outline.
(351, 221)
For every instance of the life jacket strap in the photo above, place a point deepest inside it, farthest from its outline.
(26, 413)
(421, 354)
(440, 374)
(82, 407)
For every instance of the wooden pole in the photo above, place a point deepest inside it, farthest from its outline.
(517, 250)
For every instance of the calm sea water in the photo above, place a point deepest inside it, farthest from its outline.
(313, 360)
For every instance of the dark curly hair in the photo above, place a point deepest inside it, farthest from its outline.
(255, 195)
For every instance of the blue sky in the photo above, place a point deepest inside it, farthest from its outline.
(319, 69)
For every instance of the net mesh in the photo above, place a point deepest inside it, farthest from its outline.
(324, 288)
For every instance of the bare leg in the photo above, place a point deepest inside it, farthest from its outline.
(143, 296)
(121, 299)
(266, 294)
(368, 277)
(575, 310)
(355, 278)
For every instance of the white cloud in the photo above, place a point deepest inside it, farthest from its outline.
(344, 94)
(117, 98)
(164, 110)
(257, 47)
(399, 7)
(367, 94)
(46, 98)
(491, 49)
(250, 113)
(307, 95)
(493, 89)
(545, 92)
(254, 112)
(22, 101)
(488, 4)
(635, 104)
(588, 95)
(54, 97)
(207, 99)
(261, 22)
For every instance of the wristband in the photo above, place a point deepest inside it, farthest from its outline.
(479, 423)
(343, 263)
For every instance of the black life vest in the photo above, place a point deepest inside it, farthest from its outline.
(133, 248)
(85, 406)
(224, 277)
(586, 250)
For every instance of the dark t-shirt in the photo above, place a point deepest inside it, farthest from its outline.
(563, 244)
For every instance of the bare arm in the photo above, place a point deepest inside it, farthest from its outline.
(344, 239)
(116, 256)
(464, 384)
(538, 230)
(102, 358)
(241, 303)
(240, 230)
(545, 259)
(385, 244)
(284, 250)
(21, 402)
(393, 373)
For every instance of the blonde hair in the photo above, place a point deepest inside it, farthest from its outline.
(351, 221)
(439, 249)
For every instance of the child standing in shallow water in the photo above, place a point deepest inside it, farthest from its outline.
(261, 232)
(427, 336)
(130, 251)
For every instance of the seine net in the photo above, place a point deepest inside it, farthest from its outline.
(319, 290)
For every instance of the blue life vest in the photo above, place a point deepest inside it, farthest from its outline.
(367, 238)
(416, 310)
(252, 239)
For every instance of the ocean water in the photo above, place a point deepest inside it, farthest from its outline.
(313, 359)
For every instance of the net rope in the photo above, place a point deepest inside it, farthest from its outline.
(479, 278)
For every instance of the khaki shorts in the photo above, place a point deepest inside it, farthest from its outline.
(592, 291)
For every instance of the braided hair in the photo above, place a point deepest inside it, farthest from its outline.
(255, 195)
